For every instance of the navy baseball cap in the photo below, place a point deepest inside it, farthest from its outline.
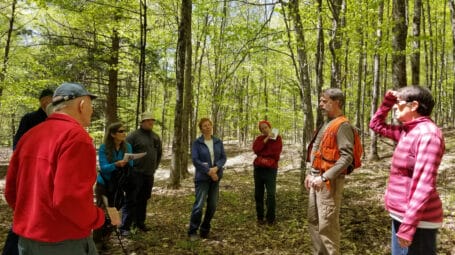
(68, 91)
(46, 93)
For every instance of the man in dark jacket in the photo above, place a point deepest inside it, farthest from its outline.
(142, 177)
(32, 119)
(28, 121)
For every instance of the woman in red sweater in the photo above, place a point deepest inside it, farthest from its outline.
(268, 148)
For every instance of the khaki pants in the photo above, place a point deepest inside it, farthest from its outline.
(323, 218)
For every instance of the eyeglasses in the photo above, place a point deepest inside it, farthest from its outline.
(121, 131)
(401, 102)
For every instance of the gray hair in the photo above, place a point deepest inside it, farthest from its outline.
(335, 94)
(60, 106)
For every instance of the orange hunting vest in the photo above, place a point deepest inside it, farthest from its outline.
(328, 153)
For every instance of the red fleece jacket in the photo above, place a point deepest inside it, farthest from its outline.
(50, 180)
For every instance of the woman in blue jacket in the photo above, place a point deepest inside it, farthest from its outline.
(208, 156)
(110, 156)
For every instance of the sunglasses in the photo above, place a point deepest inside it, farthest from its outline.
(121, 131)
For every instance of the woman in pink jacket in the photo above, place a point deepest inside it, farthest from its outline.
(411, 197)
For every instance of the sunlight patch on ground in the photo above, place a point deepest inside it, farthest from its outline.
(232, 162)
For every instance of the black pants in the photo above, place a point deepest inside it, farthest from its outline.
(11, 242)
(101, 235)
(265, 181)
(139, 192)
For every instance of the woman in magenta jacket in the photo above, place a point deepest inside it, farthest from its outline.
(411, 197)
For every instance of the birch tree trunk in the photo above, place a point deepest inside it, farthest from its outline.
(373, 154)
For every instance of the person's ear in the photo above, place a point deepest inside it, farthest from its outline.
(414, 105)
(82, 105)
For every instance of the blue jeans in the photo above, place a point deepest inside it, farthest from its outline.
(204, 190)
(423, 243)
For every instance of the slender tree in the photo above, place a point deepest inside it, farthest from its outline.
(399, 43)
(319, 58)
(302, 74)
(335, 43)
(180, 120)
(452, 16)
(7, 45)
(415, 56)
(373, 154)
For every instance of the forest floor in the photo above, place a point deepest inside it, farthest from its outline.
(364, 222)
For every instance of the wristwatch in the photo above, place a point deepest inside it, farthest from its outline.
(324, 179)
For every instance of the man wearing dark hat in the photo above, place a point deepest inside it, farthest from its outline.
(49, 183)
(28, 121)
(32, 119)
(142, 177)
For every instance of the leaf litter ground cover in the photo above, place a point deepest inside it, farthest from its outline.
(364, 222)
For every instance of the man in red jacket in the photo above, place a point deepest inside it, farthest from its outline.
(50, 180)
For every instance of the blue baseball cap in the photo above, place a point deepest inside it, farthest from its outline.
(68, 91)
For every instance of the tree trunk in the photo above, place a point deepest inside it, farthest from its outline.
(335, 42)
(304, 82)
(429, 49)
(111, 99)
(143, 43)
(320, 54)
(373, 155)
(178, 152)
(442, 70)
(399, 43)
(7, 46)
(188, 91)
(415, 56)
(452, 15)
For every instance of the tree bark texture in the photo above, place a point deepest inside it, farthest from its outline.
(111, 99)
(7, 45)
(399, 43)
(178, 153)
(415, 56)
